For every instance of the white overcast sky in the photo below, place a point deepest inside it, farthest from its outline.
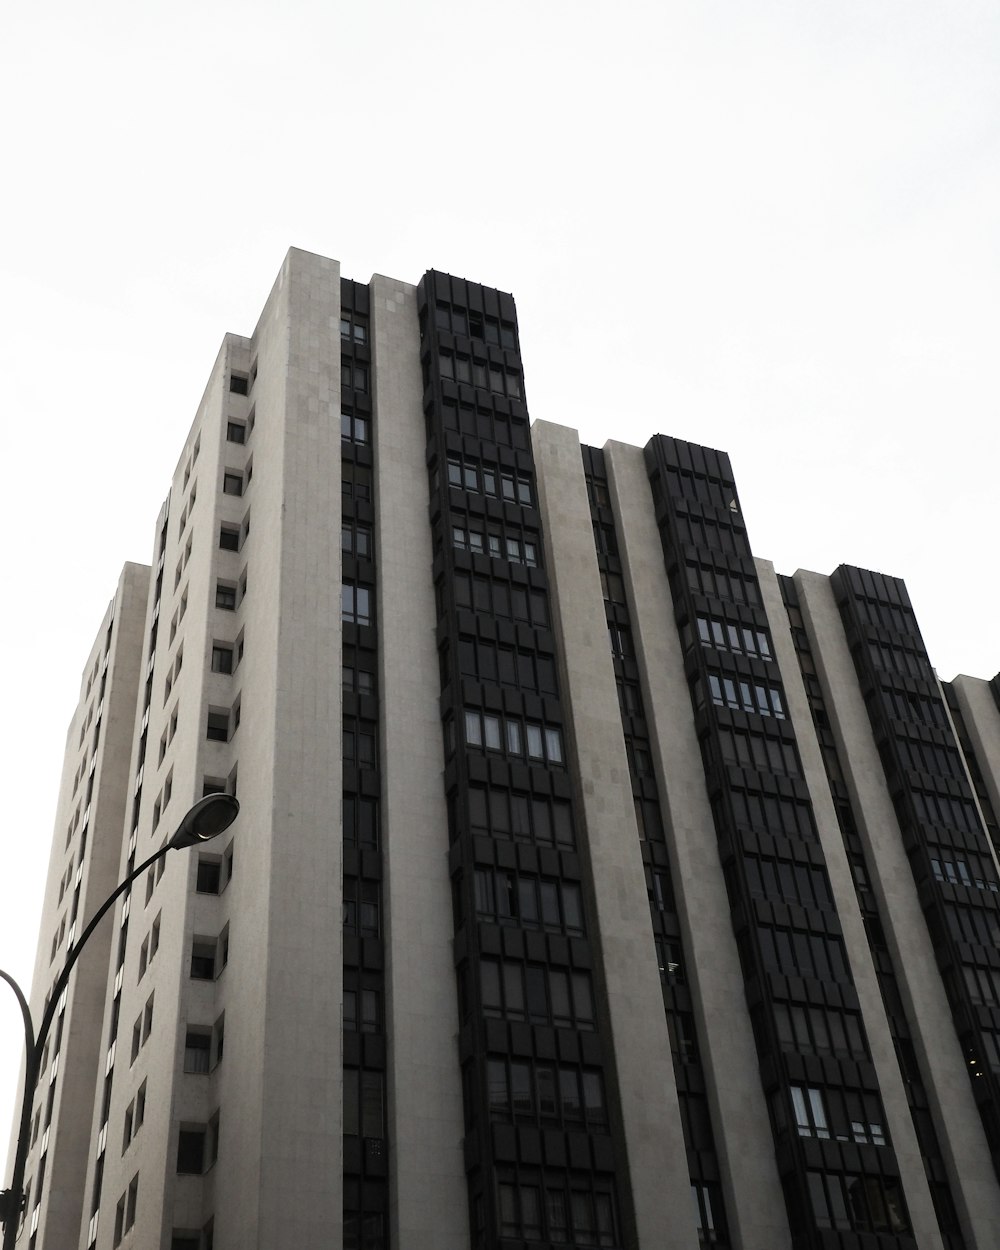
(770, 227)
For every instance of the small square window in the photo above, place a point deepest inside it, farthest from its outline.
(232, 483)
(236, 432)
(203, 961)
(229, 538)
(209, 876)
(191, 1151)
(218, 727)
(197, 1051)
(225, 596)
(239, 383)
(222, 659)
(353, 428)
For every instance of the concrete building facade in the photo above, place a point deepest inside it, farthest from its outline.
(594, 884)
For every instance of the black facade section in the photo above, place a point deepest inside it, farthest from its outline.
(942, 831)
(540, 1148)
(838, 1168)
(366, 1148)
(899, 1025)
(972, 762)
(689, 1075)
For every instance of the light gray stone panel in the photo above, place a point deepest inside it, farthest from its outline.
(745, 1149)
(897, 1113)
(654, 1161)
(428, 1191)
(108, 720)
(982, 723)
(281, 1105)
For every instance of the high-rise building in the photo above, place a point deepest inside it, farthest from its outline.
(593, 886)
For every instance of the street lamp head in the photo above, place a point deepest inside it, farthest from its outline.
(208, 818)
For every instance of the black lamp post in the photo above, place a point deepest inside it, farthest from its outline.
(209, 817)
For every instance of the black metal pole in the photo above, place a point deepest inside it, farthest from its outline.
(13, 1198)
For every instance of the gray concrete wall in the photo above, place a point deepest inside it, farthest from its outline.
(745, 1149)
(185, 542)
(982, 723)
(897, 1113)
(654, 1164)
(73, 1064)
(288, 999)
(429, 1196)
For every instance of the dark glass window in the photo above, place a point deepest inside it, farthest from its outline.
(191, 1151)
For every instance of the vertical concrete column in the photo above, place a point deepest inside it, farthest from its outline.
(897, 1112)
(428, 1192)
(65, 1200)
(654, 1160)
(281, 1111)
(963, 1143)
(982, 723)
(745, 1149)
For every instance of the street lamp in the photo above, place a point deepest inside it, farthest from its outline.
(208, 818)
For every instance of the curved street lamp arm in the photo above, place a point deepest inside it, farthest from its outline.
(29, 1028)
(63, 979)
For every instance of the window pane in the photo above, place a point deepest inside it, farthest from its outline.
(604, 1219)
(509, 1226)
(555, 1203)
(569, 1094)
(371, 1104)
(550, 903)
(527, 901)
(496, 1080)
(559, 991)
(593, 1097)
(513, 989)
(530, 1213)
(351, 1119)
(583, 1224)
(582, 1001)
(538, 1007)
(484, 892)
(520, 1088)
(572, 910)
(489, 975)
